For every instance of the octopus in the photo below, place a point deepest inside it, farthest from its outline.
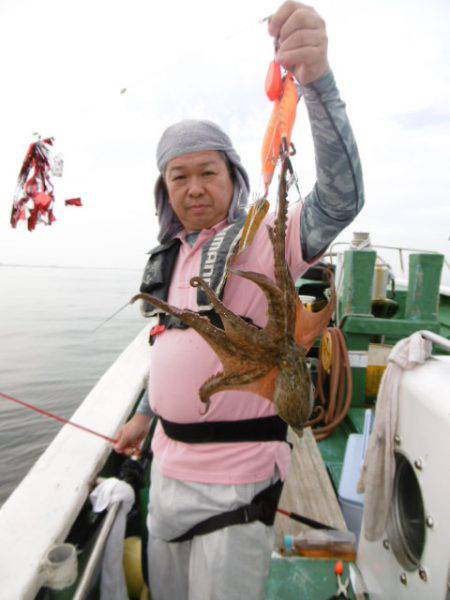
(268, 361)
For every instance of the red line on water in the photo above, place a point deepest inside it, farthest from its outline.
(57, 418)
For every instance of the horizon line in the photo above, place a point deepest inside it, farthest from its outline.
(68, 267)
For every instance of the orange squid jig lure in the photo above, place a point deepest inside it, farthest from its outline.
(281, 90)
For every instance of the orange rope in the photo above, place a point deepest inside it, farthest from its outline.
(334, 408)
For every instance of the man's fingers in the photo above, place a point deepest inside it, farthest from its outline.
(306, 37)
(301, 19)
(121, 446)
(301, 41)
(131, 434)
(307, 55)
(278, 19)
(127, 448)
(125, 444)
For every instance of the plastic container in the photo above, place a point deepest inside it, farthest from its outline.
(352, 503)
(321, 543)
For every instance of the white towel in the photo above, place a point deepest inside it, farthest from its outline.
(377, 476)
(107, 493)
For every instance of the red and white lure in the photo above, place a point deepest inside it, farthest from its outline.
(34, 198)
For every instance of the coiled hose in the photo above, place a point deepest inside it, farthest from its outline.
(332, 410)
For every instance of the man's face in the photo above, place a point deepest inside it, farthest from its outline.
(200, 189)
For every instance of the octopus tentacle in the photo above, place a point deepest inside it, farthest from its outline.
(202, 325)
(309, 325)
(223, 381)
(275, 299)
(235, 326)
(282, 275)
(278, 237)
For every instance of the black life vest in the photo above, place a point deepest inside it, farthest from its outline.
(217, 254)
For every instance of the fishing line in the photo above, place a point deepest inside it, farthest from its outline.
(199, 52)
(245, 29)
(50, 415)
(111, 316)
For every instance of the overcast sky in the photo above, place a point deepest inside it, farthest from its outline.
(64, 64)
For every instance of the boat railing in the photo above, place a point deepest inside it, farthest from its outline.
(400, 249)
(91, 569)
(436, 339)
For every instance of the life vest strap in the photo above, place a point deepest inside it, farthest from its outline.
(263, 429)
(262, 508)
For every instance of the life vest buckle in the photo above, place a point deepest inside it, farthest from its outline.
(156, 330)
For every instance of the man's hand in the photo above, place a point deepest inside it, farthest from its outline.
(302, 41)
(132, 433)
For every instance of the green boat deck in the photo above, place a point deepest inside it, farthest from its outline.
(300, 578)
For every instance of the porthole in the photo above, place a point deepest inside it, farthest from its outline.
(406, 521)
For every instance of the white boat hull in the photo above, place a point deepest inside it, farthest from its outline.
(423, 439)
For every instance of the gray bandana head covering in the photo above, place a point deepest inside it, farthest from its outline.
(196, 136)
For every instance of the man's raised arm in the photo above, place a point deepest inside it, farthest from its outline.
(338, 194)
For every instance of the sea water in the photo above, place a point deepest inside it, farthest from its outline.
(49, 354)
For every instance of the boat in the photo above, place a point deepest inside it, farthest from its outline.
(52, 542)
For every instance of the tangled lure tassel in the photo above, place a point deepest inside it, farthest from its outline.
(34, 198)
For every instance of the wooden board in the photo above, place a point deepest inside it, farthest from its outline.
(308, 490)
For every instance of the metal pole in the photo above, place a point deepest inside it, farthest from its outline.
(85, 582)
(439, 340)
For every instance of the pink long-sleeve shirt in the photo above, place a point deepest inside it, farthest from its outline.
(181, 361)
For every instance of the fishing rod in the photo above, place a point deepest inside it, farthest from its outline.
(50, 415)
(305, 520)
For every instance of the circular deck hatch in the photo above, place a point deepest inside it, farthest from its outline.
(406, 521)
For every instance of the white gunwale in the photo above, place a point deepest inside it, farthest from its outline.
(42, 509)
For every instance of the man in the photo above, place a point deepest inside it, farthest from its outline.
(199, 199)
